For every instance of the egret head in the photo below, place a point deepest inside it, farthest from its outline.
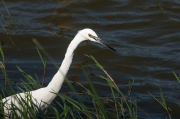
(89, 34)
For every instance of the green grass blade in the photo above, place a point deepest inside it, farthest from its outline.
(12, 22)
(176, 77)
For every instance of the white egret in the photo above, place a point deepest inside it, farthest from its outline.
(44, 96)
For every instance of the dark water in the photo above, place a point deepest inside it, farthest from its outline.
(144, 33)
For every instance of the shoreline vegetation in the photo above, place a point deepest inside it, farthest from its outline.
(118, 105)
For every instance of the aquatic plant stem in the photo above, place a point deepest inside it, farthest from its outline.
(12, 22)
(44, 72)
(3, 65)
(115, 86)
(110, 78)
(44, 65)
(95, 109)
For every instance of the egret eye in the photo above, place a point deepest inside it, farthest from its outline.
(91, 36)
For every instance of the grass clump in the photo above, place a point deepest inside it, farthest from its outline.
(117, 105)
(66, 107)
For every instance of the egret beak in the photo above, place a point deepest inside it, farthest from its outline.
(103, 43)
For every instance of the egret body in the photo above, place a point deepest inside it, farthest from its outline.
(43, 96)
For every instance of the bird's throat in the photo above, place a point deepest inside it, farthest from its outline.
(58, 79)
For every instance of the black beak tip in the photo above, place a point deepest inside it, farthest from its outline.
(111, 48)
(114, 50)
(104, 43)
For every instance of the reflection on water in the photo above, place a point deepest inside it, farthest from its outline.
(144, 33)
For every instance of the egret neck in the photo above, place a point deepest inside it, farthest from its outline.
(58, 79)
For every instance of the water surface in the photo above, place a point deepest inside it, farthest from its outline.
(144, 33)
